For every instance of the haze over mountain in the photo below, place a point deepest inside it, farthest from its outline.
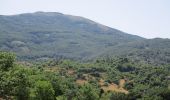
(52, 34)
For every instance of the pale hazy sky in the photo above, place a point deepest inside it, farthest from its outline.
(147, 18)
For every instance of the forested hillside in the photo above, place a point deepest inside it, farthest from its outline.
(44, 35)
(50, 34)
(53, 56)
(104, 79)
(154, 51)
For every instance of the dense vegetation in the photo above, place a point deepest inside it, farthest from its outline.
(44, 35)
(49, 34)
(103, 79)
(64, 57)
(153, 51)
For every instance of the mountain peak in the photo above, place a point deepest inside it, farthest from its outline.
(57, 34)
(47, 13)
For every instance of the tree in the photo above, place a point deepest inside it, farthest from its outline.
(118, 96)
(6, 79)
(165, 94)
(6, 60)
(22, 82)
(44, 90)
(87, 92)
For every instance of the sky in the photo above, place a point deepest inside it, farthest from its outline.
(146, 18)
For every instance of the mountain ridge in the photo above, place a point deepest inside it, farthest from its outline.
(76, 18)
(52, 34)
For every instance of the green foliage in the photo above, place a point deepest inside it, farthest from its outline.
(118, 96)
(125, 67)
(6, 60)
(22, 83)
(143, 81)
(87, 92)
(55, 35)
(44, 90)
(165, 94)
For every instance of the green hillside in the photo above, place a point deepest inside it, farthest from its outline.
(103, 79)
(62, 57)
(50, 34)
(44, 35)
(153, 51)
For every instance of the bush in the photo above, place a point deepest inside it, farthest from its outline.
(6, 60)
(44, 91)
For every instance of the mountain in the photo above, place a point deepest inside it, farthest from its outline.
(43, 35)
(51, 34)
(140, 72)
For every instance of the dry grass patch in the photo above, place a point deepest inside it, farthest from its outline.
(113, 87)
(71, 72)
(122, 83)
(81, 81)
